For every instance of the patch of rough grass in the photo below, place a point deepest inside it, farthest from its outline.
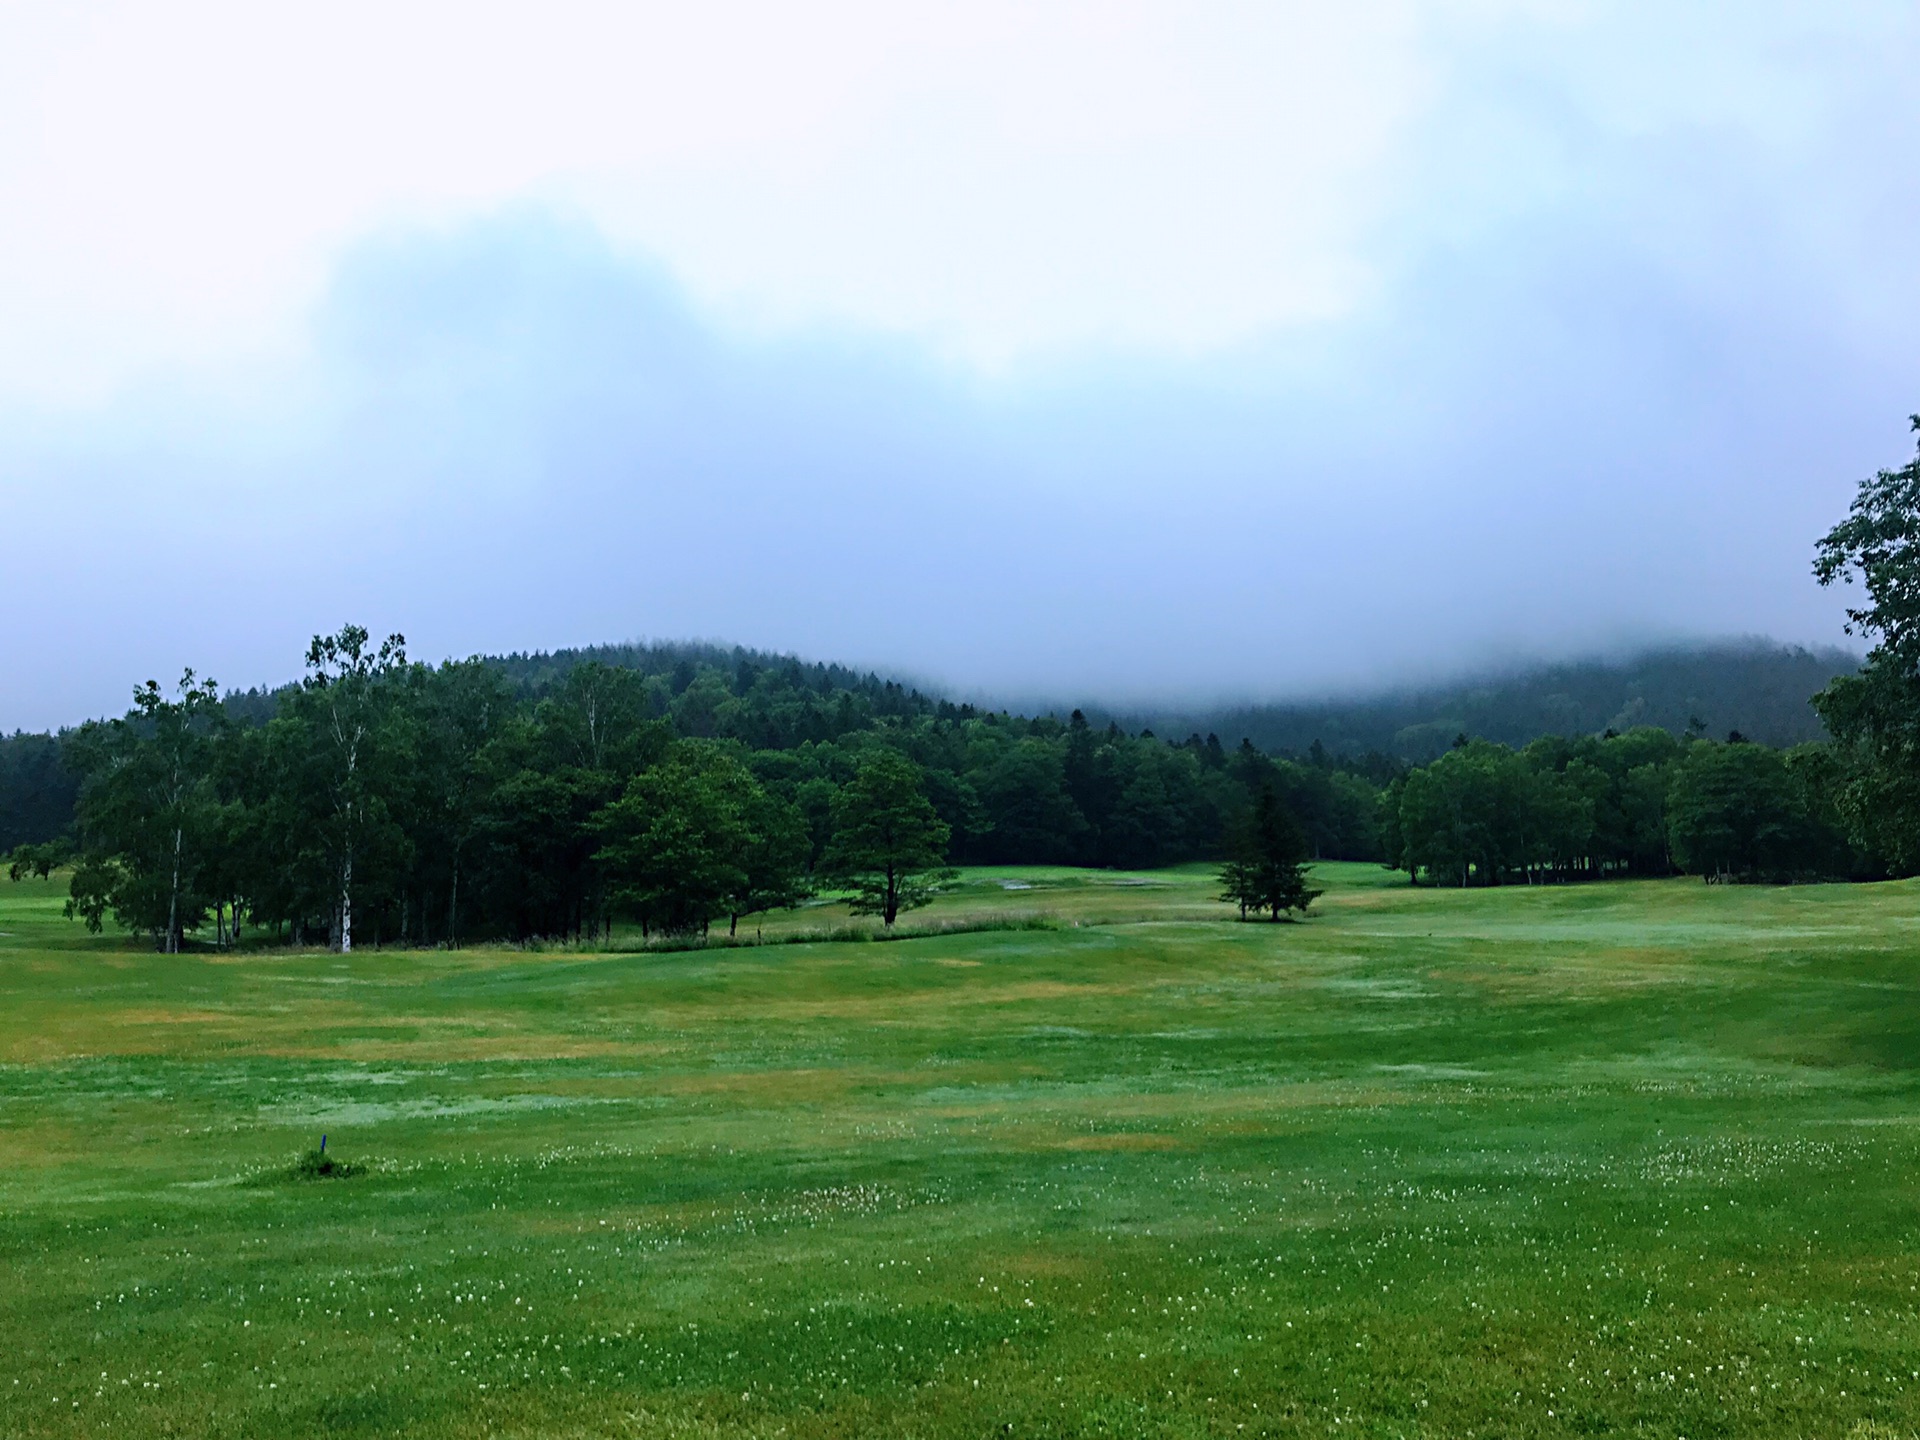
(856, 934)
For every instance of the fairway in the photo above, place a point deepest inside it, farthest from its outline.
(1632, 1158)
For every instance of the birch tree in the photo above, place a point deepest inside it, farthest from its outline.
(346, 696)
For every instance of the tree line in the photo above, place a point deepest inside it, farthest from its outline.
(389, 801)
(1643, 803)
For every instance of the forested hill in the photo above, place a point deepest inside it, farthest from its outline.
(768, 701)
(764, 701)
(1759, 689)
(776, 702)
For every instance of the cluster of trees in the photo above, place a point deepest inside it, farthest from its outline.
(404, 803)
(1642, 803)
(1648, 802)
(37, 791)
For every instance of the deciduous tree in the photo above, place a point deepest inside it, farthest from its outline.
(889, 846)
(1875, 715)
(147, 812)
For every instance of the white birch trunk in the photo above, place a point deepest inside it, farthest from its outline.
(172, 947)
(346, 906)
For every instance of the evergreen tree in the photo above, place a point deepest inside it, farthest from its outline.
(1267, 865)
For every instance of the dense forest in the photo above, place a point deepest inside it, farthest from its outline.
(676, 787)
(37, 790)
(1642, 803)
(777, 702)
(543, 797)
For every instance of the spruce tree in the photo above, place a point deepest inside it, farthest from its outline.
(1266, 868)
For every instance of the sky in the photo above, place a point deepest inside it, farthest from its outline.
(1108, 352)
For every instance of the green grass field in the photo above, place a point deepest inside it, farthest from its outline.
(1631, 1159)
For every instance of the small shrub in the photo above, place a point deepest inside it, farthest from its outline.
(318, 1165)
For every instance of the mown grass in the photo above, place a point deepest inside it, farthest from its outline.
(1633, 1159)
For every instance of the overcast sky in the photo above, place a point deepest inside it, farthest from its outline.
(1091, 351)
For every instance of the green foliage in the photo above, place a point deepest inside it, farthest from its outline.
(37, 791)
(889, 846)
(774, 859)
(677, 841)
(150, 823)
(1879, 544)
(1642, 803)
(1874, 716)
(1266, 868)
(1732, 812)
(428, 806)
(38, 861)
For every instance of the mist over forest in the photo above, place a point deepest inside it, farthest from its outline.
(1757, 687)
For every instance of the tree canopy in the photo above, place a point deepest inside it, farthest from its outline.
(1874, 716)
(889, 845)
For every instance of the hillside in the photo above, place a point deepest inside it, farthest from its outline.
(1757, 688)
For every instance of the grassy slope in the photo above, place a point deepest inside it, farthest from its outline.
(1634, 1158)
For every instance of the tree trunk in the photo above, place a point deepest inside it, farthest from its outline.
(453, 904)
(346, 905)
(172, 946)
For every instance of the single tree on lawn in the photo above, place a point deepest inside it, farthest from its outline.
(889, 846)
(1266, 869)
